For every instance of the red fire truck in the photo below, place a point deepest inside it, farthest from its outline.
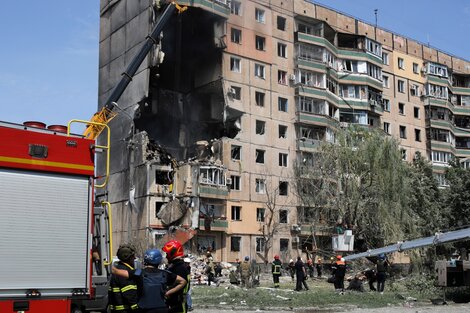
(54, 240)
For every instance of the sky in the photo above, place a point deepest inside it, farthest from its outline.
(49, 49)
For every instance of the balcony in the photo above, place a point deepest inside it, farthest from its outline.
(317, 119)
(219, 7)
(213, 224)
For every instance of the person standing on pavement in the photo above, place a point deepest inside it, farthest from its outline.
(276, 270)
(382, 267)
(291, 268)
(319, 268)
(339, 270)
(210, 271)
(300, 274)
(189, 299)
(310, 267)
(245, 272)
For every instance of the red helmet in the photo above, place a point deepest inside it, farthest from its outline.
(339, 257)
(173, 249)
(276, 257)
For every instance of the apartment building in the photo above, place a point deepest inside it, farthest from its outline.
(244, 90)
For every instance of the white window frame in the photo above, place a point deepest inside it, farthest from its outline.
(236, 213)
(236, 35)
(260, 16)
(259, 71)
(235, 65)
(260, 186)
(282, 50)
(283, 159)
(282, 104)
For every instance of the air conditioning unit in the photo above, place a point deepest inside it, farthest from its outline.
(228, 181)
(295, 239)
(296, 228)
(292, 77)
(424, 70)
(373, 103)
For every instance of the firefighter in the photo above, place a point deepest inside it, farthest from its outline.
(245, 272)
(382, 267)
(276, 270)
(319, 268)
(339, 270)
(122, 292)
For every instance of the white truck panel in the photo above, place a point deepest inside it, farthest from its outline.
(44, 232)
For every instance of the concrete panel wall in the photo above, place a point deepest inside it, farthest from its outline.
(365, 29)
(346, 24)
(415, 48)
(444, 59)
(429, 54)
(399, 43)
(385, 38)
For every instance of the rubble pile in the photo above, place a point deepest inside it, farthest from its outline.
(199, 275)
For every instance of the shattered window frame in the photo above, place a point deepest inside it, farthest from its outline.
(417, 135)
(236, 152)
(416, 112)
(259, 71)
(236, 8)
(387, 128)
(283, 244)
(403, 154)
(260, 43)
(282, 131)
(260, 127)
(260, 15)
(259, 98)
(283, 157)
(281, 23)
(210, 175)
(260, 186)
(236, 213)
(402, 132)
(260, 214)
(235, 65)
(283, 188)
(282, 77)
(415, 68)
(401, 108)
(237, 95)
(236, 35)
(282, 104)
(235, 243)
(281, 50)
(283, 216)
(259, 157)
(235, 185)
(260, 244)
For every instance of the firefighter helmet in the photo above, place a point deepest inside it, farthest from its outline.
(153, 257)
(125, 253)
(276, 257)
(339, 257)
(173, 249)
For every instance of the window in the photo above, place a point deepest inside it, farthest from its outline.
(401, 108)
(236, 35)
(281, 50)
(236, 7)
(386, 104)
(282, 104)
(236, 152)
(385, 58)
(282, 131)
(235, 185)
(437, 69)
(260, 43)
(236, 92)
(441, 157)
(259, 156)
(281, 23)
(373, 47)
(401, 86)
(283, 188)
(417, 134)
(386, 129)
(235, 243)
(260, 185)
(283, 245)
(416, 112)
(158, 206)
(260, 127)
(259, 70)
(415, 68)
(283, 216)
(260, 243)
(283, 159)
(385, 82)
(260, 214)
(441, 180)
(401, 64)
(235, 64)
(403, 154)
(212, 175)
(259, 98)
(236, 213)
(282, 77)
(402, 132)
(259, 15)
(414, 90)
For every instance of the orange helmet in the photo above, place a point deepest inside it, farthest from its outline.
(276, 257)
(339, 257)
(173, 249)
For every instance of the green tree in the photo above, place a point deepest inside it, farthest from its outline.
(457, 195)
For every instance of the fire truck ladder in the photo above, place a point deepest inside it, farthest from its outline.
(438, 238)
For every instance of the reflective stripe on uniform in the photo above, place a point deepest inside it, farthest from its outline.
(134, 307)
(129, 287)
(115, 289)
(277, 269)
(120, 307)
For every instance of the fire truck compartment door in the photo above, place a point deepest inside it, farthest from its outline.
(44, 232)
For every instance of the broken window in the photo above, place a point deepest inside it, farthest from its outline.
(281, 23)
(417, 134)
(283, 188)
(374, 47)
(259, 70)
(416, 112)
(401, 108)
(236, 152)
(235, 64)
(212, 176)
(259, 98)
(403, 154)
(236, 213)
(281, 50)
(260, 43)
(163, 177)
(401, 63)
(260, 214)
(235, 243)
(260, 156)
(236, 35)
(259, 15)
(415, 68)
(260, 244)
(282, 104)
(235, 185)
(282, 77)
(387, 128)
(236, 92)
(283, 216)
(437, 91)
(283, 245)
(158, 206)
(402, 132)
(401, 86)
(205, 243)
(386, 104)
(385, 81)
(283, 159)
(260, 185)
(309, 53)
(282, 131)
(260, 127)
(235, 7)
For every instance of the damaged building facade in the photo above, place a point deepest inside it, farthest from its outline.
(235, 93)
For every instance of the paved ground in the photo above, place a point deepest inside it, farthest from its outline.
(450, 308)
